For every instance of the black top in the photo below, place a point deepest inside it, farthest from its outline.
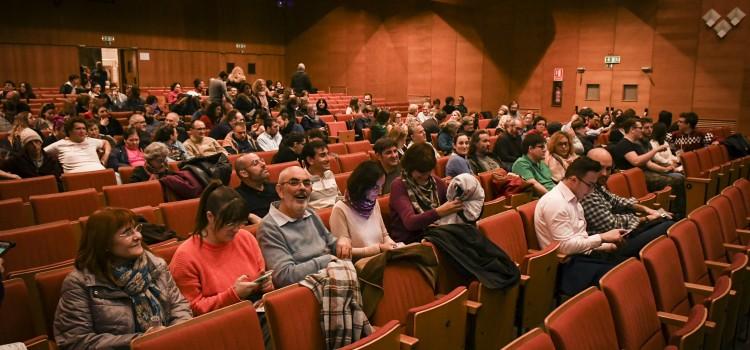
(621, 149)
(258, 202)
(508, 148)
(285, 154)
(300, 81)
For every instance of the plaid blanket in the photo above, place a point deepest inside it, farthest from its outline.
(341, 317)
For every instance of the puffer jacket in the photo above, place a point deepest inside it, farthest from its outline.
(93, 313)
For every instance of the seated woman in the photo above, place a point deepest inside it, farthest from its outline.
(118, 289)
(457, 163)
(418, 198)
(217, 265)
(539, 127)
(559, 154)
(129, 153)
(168, 136)
(155, 166)
(446, 136)
(322, 107)
(664, 158)
(358, 216)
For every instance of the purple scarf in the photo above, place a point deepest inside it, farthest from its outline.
(362, 207)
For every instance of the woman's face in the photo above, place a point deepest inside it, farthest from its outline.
(22, 88)
(528, 119)
(462, 145)
(93, 131)
(373, 193)
(132, 141)
(606, 120)
(127, 243)
(562, 147)
(178, 88)
(102, 113)
(223, 234)
(321, 104)
(49, 114)
(33, 120)
(541, 126)
(420, 177)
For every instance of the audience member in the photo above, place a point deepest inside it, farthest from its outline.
(363, 121)
(480, 158)
(69, 87)
(254, 187)
(431, 123)
(236, 77)
(134, 101)
(224, 127)
(559, 217)
(293, 239)
(301, 81)
(418, 136)
(378, 129)
(217, 89)
(155, 167)
(418, 199)
(424, 114)
(457, 163)
(367, 101)
(138, 122)
(290, 149)
(118, 290)
(647, 125)
(77, 152)
(687, 138)
(211, 115)
(270, 138)
(446, 136)
(322, 107)
(288, 123)
(531, 166)
(581, 134)
(509, 147)
(540, 127)
(175, 90)
(559, 155)
(353, 107)
(167, 135)
(199, 87)
(664, 158)
(116, 97)
(238, 141)
(199, 145)
(399, 136)
(449, 105)
(386, 153)
(32, 161)
(129, 152)
(107, 125)
(460, 106)
(324, 190)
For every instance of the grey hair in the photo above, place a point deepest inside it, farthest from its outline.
(301, 67)
(156, 150)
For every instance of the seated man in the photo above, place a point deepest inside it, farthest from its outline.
(325, 191)
(559, 218)
(290, 149)
(77, 152)
(480, 157)
(531, 166)
(293, 239)
(386, 152)
(686, 138)
(254, 187)
(605, 211)
(270, 139)
(173, 119)
(200, 145)
(509, 147)
(238, 141)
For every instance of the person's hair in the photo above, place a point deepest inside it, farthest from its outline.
(455, 138)
(475, 140)
(629, 124)
(665, 117)
(367, 94)
(223, 75)
(645, 121)
(224, 203)
(660, 133)
(383, 144)
(73, 77)
(397, 134)
(293, 137)
(354, 104)
(538, 119)
(311, 148)
(577, 124)
(440, 115)
(174, 85)
(231, 116)
(325, 103)
(586, 112)
(197, 82)
(135, 93)
(10, 82)
(128, 132)
(210, 111)
(363, 178)
(451, 127)
(419, 157)
(94, 251)
(151, 99)
(155, 150)
(383, 117)
(70, 124)
(436, 102)
(413, 128)
(45, 108)
(582, 166)
(555, 138)
(553, 127)
(531, 141)
(690, 118)
(449, 100)
(163, 133)
(267, 122)
(314, 133)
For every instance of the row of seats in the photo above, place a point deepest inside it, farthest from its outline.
(708, 170)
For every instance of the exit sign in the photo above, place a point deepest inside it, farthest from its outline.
(611, 59)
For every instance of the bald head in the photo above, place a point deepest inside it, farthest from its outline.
(251, 169)
(172, 119)
(137, 121)
(293, 172)
(602, 156)
(294, 190)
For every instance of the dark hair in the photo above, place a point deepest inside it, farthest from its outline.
(581, 166)
(197, 82)
(419, 157)
(665, 117)
(553, 127)
(267, 122)
(73, 77)
(449, 100)
(690, 118)
(224, 203)
(46, 107)
(475, 140)
(660, 133)
(314, 133)
(293, 137)
(537, 119)
(128, 132)
(70, 124)
(232, 115)
(10, 82)
(629, 113)
(629, 124)
(163, 133)
(645, 121)
(223, 75)
(311, 148)
(210, 111)
(383, 117)
(577, 124)
(96, 242)
(321, 100)
(440, 115)
(363, 178)
(383, 144)
(455, 138)
(586, 112)
(151, 99)
(436, 101)
(531, 141)
(367, 94)
(171, 87)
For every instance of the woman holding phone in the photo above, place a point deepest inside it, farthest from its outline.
(219, 264)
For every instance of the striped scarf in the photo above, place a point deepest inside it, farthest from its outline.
(135, 280)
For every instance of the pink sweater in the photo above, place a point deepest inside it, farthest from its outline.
(205, 273)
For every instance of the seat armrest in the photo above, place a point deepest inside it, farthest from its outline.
(698, 180)
(531, 251)
(735, 248)
(699, 289)
(716, 265)
(743, 232)
(525, 279)
(671, 319)
(407, 342)
(38, 343)
(472, 307)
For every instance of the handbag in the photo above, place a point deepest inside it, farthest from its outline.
(207, 168)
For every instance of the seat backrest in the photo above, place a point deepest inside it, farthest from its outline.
(358, 146)
(384, 202)
(180, 216)
(49, 285)
(506, 230)
(232, 327)
(534, 339)
(717, 157)
(134, 195)
(267, 156)
(691, 165)
(404, 287)
(633, 306)
(738, 205)
(636, 182)
(166, 250)
(686, 238)
(274, 170)
(40, 245)
(148, 213)
(618, 184)
(527, 216)
(723, 208)
(384, 338)
(16, 323)
(350, 161)
(709, 228)
(341, 180)
(744, 186)
(24, 188)
(665, 273)
(704, 159)
(125, 173)
(337, 148)
(301, 331)
(442, 162)
(583, 322)
(14, 214)
(336, 127)
(690, 335)
(65, 205)
(325, 216)
(89, 179)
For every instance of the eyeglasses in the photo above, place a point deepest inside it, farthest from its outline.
(131, 231)
(563, 144)
(540, 146)
(296, 182)
(589, 185)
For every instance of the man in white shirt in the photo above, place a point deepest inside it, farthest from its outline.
(559, 218)
(270, 139)
(77, 152)
(325, 191)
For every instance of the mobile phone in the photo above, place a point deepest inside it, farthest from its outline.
(5, 246)
(266, 275)
(627, 232)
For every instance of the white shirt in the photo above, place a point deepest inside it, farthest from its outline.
(268, 142)
(325, 191)
(559, 218)
(76, 157)
(422, 117)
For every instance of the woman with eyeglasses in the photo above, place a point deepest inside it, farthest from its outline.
(118, 289)
(559, 154)
(218, 264)
(358, 216)
(155, 166)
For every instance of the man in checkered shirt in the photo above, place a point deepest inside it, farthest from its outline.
(686, 138)
(605, 211)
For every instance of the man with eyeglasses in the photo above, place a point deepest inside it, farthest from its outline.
(293, 239)
(559, 217)
(200, 145)
(254, 187)
(531, 166)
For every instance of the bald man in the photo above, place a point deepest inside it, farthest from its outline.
(254, 186)
(606, 211)
(293, 239)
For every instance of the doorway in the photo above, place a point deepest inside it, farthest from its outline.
(121, 64)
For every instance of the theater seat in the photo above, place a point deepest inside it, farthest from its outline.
(301, 331)
(64, 206)
(337, 148)
(358, 146)
(350, 161)
(180, 216)
(17, 323)
(267, 156)
(341, 181)
(384, 338)
(534, 339)
(636, 180)
(442, 162)
(49, 284)
(165, 250)
(14, 214)
(24, 188)
(527, 216)
(232, 327)
(40, 246)
(125, 173)
(700, 185)
(90, 179)
(134, 195)
(274, 170)
(583, 322)
(618, 184)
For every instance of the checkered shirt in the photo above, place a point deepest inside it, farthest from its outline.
(606, 211)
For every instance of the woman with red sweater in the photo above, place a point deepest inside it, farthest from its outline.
(216, 267)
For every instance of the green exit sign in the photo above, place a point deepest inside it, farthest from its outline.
(611, 59)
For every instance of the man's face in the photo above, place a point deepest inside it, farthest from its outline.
(240, 133)
(232, 92)
(419, 135)
(273, 129)
(239, 119)
(483, 146)
(536, 153)
(606, 171)
(389, 158)
(78, 134)
(513, 108)
(367, 99)
(7, 87)
(172, 119)
(321, 159)
(683, 125)
(636, 131)
(648, 129)
(202, 85)
(138, 122)
(256, 171)
(584, 186)
(294, 189)
(198, 130)
(297, 147)
(460, 100)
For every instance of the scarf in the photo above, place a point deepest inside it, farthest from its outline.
(362, 207)
(422, 197)
(135, 280)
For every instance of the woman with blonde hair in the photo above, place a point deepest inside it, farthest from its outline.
(398, 135)
(236, 77)
(559, 154)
